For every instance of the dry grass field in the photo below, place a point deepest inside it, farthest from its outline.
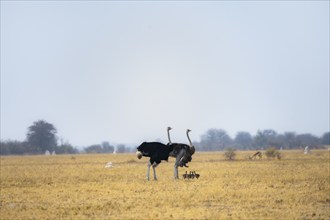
(80, 187)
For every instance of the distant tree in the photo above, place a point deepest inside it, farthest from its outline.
(271, 137)
(243, 140)
(94, 149)
(106, 147)
(308, 140)
(215, 139)
(265, 138)
(260, 140)
(121, 148)
(4, 149)
(325, 139)
(41, 136)
(279, 141)
(290, 140)
(66, 148)
(13, 148)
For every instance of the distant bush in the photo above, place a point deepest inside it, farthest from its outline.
(230, 154)
(273, 153)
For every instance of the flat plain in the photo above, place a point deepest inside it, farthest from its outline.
(80, 187)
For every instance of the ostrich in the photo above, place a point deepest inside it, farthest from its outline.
(182, 152)
(196, 174)
(156, 151)
(192, 175)
(185, 175)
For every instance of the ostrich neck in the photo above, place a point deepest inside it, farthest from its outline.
(189, 138)
(169, 138)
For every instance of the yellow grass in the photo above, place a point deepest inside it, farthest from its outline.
(80, 187)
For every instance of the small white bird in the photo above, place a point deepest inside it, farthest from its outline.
(109, 165)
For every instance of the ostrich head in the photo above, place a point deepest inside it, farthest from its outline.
(139, 151)
(138, 154)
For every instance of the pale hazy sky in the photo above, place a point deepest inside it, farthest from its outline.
(123, 71)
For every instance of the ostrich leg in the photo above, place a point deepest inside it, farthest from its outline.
(176, 172)
(154, 169)
(148, 171)
(177, 164)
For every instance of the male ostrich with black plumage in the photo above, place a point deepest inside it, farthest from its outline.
(182, 152)
(156, 151)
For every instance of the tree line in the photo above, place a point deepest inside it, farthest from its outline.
(218, 139)
(105, 147)
(42, 137)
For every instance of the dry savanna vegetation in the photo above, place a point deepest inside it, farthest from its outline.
(80, 187)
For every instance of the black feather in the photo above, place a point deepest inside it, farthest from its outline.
(156, 151)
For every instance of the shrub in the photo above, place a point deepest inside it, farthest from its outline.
(230, 154)
(273, 153)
